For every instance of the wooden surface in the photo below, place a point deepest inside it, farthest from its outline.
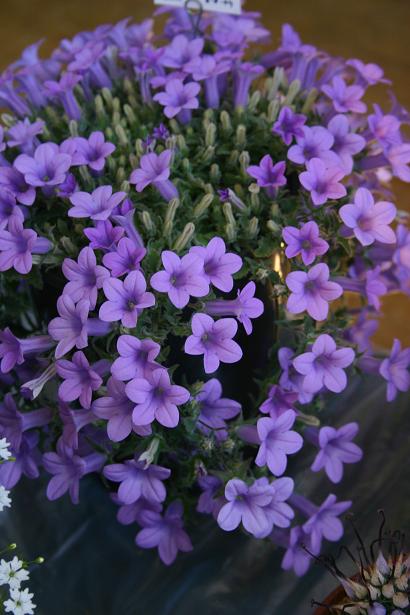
(372, 30)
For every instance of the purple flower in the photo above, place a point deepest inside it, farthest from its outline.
(214, 341)
(323, 182)
(268, 175)
(179, 99)
(46, 168)
(14, 423)
(369, 74)
(344, 97)
(346, 143)
(315, 142)
(138, 481)
(245, 307)
(215, 410)
(304, 241)
(384, 128)
(117, 409)
(208, 502)
(165, 532)
(80, 379)
(289, 125)
(73, 422)
(126, 299)
(324, 522)
(13, 351)
(70, 328)
(104, 236)
(14, 181)
(137, 358)
(68, 468)
(17, 245)
(93, 151)
(27, 459)
(279, 511)
(248, 505)
(335, 449)
(312, 291)
(155, 169)
(219, 265)
(132, 513)
(278, 402)
(246, 73)
(395, 369)
(9, 210)
(181, 51)
(64, 91)
(277, 441)
(23, 135)
(369, 220)
(85, 276)
(182, 278)
(290, 379)
(98, 205)
(398, 157)
(156, 398)
(208, 68)
(125, 258)
(296, 557)
(324, 365)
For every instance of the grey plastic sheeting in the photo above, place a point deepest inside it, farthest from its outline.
(94, 568)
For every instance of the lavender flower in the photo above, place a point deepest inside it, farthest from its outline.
(323, 182)
(314, 142)
(137, 481)
(14, 423)
(181, 51)
(137, 358)
(296, 557)
(246, 72)
(312, 291)
(268, 175)
(277, 441)
(278, 402)
(86, 277)
(395, 369)
(165, 532)
(214, 341)
(64, 91)
(219, 265)
(344, 97)
(93, 151)
(13, 351)
(245, 307)
(117, 409)
(46, 168)
(215, 410)
(13, 181)
(369, 220)
(18, 244)
(80, 379)
(104, 236)
(155, 169)
(182, 278)
(126, 299)
(335, 449)
(208, 502)
(27, 459)
(304, 241)
(23, 135)
(156, 398)
(324, 365)
(346, 144)
(98, 205)
(179, 99)
(125, 258)
(68, 468)
(289, 125)
(70, 328)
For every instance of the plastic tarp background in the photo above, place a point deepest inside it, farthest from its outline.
(94, 568)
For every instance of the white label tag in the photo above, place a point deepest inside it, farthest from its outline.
(233, 7)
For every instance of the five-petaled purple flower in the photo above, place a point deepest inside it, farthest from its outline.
(245, 307)
(322, 181)
(165, 532)
(395, 369)
(312, 291)
(278, 401)
(344, 97)
(155, 169)
(156, 398)
(98, 205)
(137, 481)
(126, 299)
(346, 144)
(289, 125)
(215, 410)
(335, 449)
(369, 220)
(92, 151)
(277, 441)
(219, 265)
(85, 276)
(126, 257)
(80, 379)
(137, 358)
(179, 99)
(324, 365)
(18, 244)
(304, 241)
(314, 142)
(47, 167)
(182, 278)
(14, 351)
(324, 522)
(268, 175)
(214, 341)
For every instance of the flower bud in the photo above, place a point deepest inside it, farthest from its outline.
(185, 237)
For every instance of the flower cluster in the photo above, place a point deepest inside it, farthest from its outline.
(181, 226)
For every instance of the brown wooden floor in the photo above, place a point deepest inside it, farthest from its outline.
(373, 30)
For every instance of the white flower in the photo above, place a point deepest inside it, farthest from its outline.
(5, 501)
(19, 603)
(12, 573)
(4, 449)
